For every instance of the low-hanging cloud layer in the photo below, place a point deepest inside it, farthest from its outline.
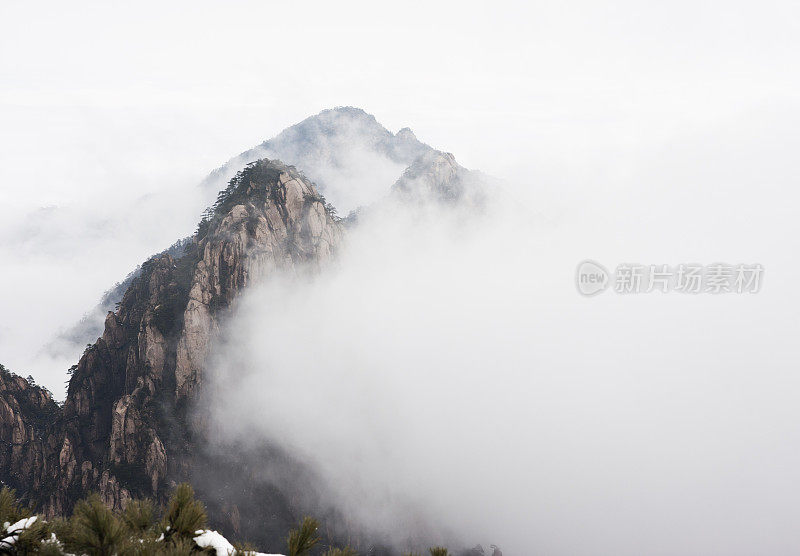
(446, 379)
(444, 371)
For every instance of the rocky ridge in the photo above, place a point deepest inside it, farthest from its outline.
(26, 413)
(436, 177)
(126, 428)
(336, 148)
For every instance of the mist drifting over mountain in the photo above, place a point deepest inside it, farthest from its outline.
(371, 314)
(444, 379)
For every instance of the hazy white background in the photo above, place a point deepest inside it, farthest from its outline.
(634, 132)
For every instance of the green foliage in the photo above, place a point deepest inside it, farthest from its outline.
(438, 551)
(15, 540)
(304, 538)
(185, 515)
(179, 547)
(49, 548)
(139, 515)
(11, 510)
(264, 175)
(33, 539)
(152, 546)
(244, 548)
(36, 414)
(62, 529)
(95, 530)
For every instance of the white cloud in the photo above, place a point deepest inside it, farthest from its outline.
(647, 133)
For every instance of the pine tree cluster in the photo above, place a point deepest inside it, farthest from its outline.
(141, 529)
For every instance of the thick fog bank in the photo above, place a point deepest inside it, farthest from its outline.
(446, 371)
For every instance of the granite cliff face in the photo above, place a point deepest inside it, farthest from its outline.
(127, 427)
(350, 157)
(132, 424)
(26, 414)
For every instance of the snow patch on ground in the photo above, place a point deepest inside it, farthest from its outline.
(211, 539)
(13, 531)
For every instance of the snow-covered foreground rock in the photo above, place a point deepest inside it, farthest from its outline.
(211, 539)
(12, 531)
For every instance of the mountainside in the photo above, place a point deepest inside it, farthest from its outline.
(91, 325)
(26, 414)
(126, 427)
(133, 424)
(436, 177)
(351, 157)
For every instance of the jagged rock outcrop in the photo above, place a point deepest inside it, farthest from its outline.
(92, 324)
(436, 177)
(26, 414)
(126, 428)
(345, 150)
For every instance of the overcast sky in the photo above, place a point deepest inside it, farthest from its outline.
(652, 132)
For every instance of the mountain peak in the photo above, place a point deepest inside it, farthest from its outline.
(331, 119)
(406, 134)
(436, 175)
(349, 155)
(129, 401)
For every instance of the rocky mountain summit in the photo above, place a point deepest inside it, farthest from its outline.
(351, 157)
(132, 423)
(436, 177)
(126, 426)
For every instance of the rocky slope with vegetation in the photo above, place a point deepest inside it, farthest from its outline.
(132, 425)
(143, 528)
(336, 148)
(127, 428)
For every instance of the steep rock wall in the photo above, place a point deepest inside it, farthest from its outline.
(126, 426)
